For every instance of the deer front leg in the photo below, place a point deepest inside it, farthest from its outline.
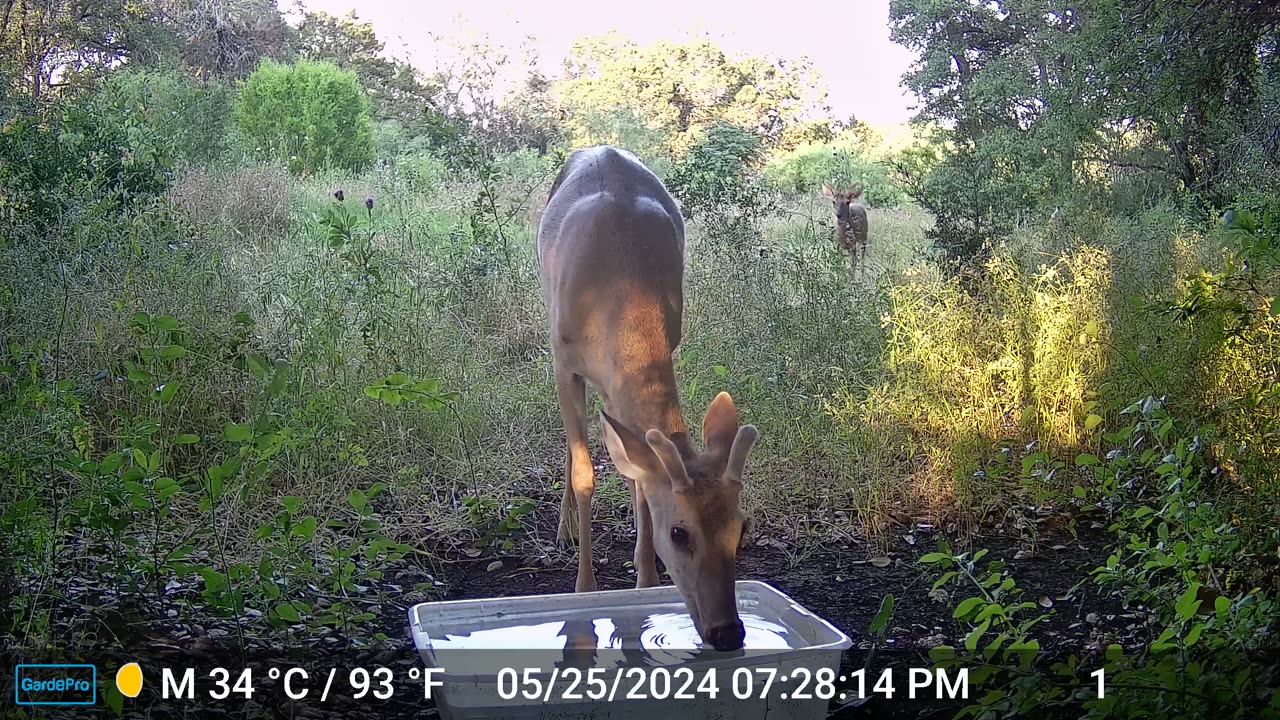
(646, 558)
(580, 475)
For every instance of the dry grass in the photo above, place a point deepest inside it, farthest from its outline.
(249, 203)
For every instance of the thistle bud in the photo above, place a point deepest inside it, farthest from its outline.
(368, 203)
(338, 194)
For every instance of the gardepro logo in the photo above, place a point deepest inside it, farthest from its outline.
(55, 684)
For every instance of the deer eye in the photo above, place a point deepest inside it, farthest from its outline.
(680, 537)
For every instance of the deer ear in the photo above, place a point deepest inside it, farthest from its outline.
(629, 452)
(720, 425)
(742, 444)
(669, 455)
(827, 191)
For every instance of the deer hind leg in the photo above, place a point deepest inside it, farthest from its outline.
(645, 558)
(580, 479)
(568, 530)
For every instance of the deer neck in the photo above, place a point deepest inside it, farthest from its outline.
(648, 399)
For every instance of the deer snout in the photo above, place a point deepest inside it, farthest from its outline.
(727, 637)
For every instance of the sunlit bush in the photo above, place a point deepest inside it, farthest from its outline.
(807, 169)
(311, 115)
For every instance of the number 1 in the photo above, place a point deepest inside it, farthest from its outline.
(1101, 674)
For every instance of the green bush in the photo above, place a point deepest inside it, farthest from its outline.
(719, 174)
(191, 117)
(311, 115)
(73, 159)
(806, 169)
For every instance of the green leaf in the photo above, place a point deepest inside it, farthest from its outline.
(1086, 459)
(168, 390)
(165, 322)
(1114, 652)
(216, 485)
(287, 612)
(186, 439)
(114, 698)
(257, 365)
(944, 579)
(1221, 606)
(880, 622)
(932, 557)
(234, 432)
(1194, 635)
(1188, 603)
(291, 503)
(278, 381)
(137, 374)
(966, 607)
(305, 529)
(991, 609)
(358, 500)
(173, 352)
(397, 378)
(971, 641)
(1092, 421)
(1275, 306)
(942, 653)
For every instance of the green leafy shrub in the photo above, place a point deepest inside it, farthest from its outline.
(1018, 355)
(190, 116)
(718, 176)
(311, 115)
(1176, 559)
(805, 170)
(78, 158)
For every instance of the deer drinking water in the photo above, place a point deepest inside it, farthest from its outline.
(851, 224)
(611, 260)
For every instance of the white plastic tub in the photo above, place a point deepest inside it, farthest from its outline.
(635, 650)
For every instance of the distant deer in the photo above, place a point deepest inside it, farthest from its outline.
(611, 261)
(851, 224)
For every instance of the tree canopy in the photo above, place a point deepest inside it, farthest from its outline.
(1039, 97)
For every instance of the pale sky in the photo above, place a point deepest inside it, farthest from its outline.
(848, 42)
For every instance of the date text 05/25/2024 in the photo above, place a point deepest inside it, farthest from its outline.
(744, 683)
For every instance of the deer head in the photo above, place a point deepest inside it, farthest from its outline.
(695, 505)
(842, 199)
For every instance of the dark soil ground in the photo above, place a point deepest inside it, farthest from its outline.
(841, 584)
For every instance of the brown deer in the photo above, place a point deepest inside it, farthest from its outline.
(851, 224)
(611, 260)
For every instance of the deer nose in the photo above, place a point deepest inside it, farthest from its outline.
(727, 637)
